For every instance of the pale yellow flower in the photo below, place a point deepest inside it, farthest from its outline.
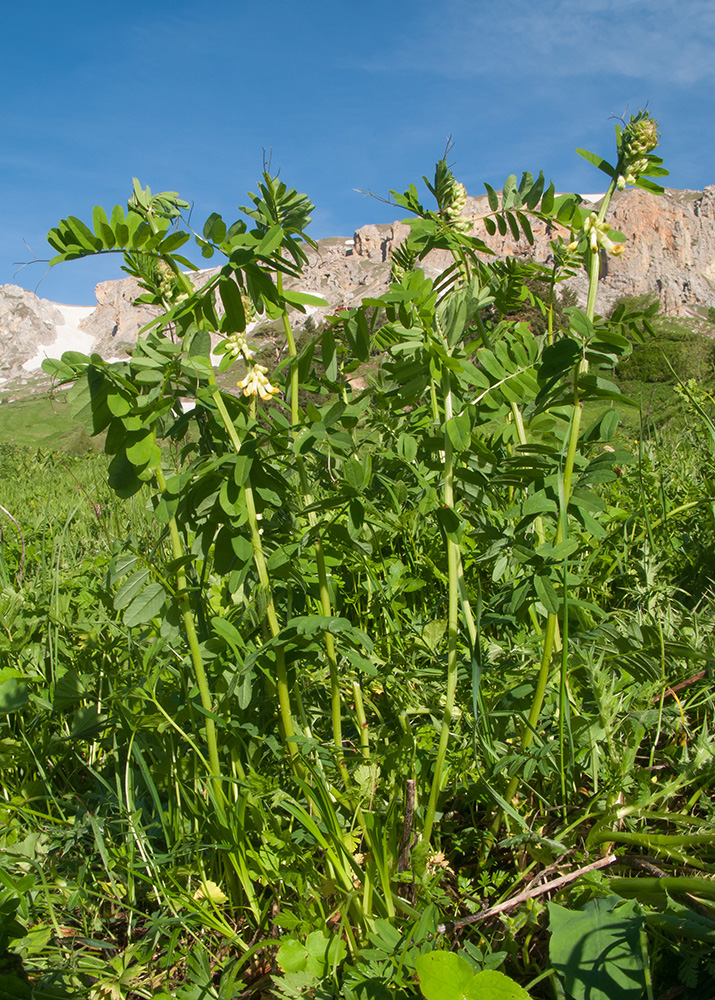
(255, 383)
(597, 233)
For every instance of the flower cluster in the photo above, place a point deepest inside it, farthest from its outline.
(256, 384)
(237, 344)
(453, 206)
(639, 138)
(249, 309)
(165, 280)
(597, 233)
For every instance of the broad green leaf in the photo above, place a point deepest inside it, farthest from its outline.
(200, 344)
(172, 242)
(215, 228)
(130, 588)
(488, 361)
(13, 695)
(597, 161)
(83, 235)
(119, 404)
(492, 197)
(355, 473)
(123, 476)
(329, 354)
(443, 975)
(513, 225)
(531, 200)
(86, 722)
(546, 593)
(235, 318)
(88, 401)
(526, 226)
(141, 448)
(648, 185)
(597, 950)
(302, 298)
(102, 229)
(210, 891)
(459, 431)
(547, 202)
(70, 688)
(433, 632)
(57, 369)
(493, 985)
(358, 334)
(451, 523)
(119, 226)
(272, 239)
(145, 606)
(509, 192)
(407, 448)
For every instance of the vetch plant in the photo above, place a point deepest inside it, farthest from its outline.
(374, 621)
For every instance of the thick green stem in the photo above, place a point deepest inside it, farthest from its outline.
(325, 604)
(187, 615)
(290, 340)
(259, 560)
(594, 259)
(362, 721)
(551, 630)
(527, 736)
(453, 574)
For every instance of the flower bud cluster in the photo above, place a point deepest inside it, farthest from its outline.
(597, 233)
(237, 345)
(249, 309)
(165, 279)
(454, 205)
(256, 384)
(639, 138)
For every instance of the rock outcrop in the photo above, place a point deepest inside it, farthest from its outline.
(670, 253)
(27, 323)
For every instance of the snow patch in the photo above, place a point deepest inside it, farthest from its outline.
(68, 337)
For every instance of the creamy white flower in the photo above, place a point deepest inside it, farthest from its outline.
(255, 383)
(597, 233)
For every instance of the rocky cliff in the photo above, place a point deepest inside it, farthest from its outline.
(670, 252)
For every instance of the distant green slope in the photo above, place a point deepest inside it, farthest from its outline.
(43, 421)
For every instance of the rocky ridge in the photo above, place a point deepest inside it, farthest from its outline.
(670, 252)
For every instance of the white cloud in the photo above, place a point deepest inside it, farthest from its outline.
(565, 38)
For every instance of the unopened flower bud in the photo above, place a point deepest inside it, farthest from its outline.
(236, 345)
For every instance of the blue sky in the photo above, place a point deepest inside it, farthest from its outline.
(344, 95)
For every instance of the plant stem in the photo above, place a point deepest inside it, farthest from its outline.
(259, 559)
(453, 566)
(325, 604)
(187, 614)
